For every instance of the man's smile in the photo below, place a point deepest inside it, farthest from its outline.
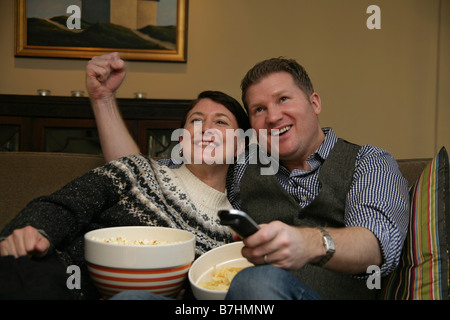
(279, 132)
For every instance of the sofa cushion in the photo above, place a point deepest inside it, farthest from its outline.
(412, 168)
(27, 175)
(423, 270)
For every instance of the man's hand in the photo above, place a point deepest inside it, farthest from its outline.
(25, 242)
(283, 246)
(104, 75)
(291, 247)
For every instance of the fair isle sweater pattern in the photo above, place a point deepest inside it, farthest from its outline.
(154, 196)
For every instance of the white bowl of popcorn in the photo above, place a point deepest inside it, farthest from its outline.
(210, 275)
(154, 259)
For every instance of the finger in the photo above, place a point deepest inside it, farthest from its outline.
(101, 67)
(105, 57)
(260, 255)
(99, 62)
(117, 64)
(17, 243)
(30, 236)
(99, 72)
(41, 247)
(35, 243)
(265, 259)
(6, 250)
(265, 234)
(108, 61)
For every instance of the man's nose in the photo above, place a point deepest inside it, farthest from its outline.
(273, 114)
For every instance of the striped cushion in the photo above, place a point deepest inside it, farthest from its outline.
(423, 272)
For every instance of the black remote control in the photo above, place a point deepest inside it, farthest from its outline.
(239, 221)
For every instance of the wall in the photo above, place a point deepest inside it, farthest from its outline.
(443, 88)
(387, 87)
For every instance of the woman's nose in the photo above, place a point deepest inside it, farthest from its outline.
(207, 128)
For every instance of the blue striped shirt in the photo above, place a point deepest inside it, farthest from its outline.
(378, 199)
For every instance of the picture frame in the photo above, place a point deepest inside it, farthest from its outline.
(102, 26)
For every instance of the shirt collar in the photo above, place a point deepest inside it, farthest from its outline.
(327, 144)
(318, 157)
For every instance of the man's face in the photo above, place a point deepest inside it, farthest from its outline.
(279, 106)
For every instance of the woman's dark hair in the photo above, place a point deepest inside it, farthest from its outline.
(227, 101)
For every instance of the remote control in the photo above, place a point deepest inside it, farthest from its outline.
(239, 221)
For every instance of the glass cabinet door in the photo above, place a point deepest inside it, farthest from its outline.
(159, 143)
(72, 140)
(9, 137)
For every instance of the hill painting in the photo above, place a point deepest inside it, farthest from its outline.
(54, 32)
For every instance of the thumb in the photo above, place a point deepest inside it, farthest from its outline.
(118, 65)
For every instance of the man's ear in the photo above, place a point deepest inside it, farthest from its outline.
(314, 99)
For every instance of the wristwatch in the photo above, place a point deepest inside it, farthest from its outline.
(328, 243)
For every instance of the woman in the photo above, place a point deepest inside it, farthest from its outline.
(134, 190)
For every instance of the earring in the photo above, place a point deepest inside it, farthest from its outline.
(181, 153)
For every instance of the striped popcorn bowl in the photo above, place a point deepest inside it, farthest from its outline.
(154, 259)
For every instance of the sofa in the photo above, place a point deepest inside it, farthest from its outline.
(26, 175)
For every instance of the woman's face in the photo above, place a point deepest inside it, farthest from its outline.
(209, 135)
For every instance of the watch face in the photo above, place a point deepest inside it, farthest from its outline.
(329, 243)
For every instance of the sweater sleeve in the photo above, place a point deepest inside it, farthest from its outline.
(62, 215)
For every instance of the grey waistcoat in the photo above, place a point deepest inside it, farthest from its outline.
(266, 200)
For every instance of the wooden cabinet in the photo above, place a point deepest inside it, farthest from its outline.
(67, 124)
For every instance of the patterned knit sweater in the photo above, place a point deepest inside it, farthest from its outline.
(133, 190)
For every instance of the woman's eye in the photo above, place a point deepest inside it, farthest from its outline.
(283, 99)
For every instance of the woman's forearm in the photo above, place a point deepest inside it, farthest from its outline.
(115, 138)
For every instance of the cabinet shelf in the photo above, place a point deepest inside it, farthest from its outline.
(67, 124)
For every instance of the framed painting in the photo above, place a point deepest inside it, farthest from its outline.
(153, 30)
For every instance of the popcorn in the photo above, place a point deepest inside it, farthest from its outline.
(123, 240)
(221, 279)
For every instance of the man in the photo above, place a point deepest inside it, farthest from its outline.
(331, 210)
(351, 203)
